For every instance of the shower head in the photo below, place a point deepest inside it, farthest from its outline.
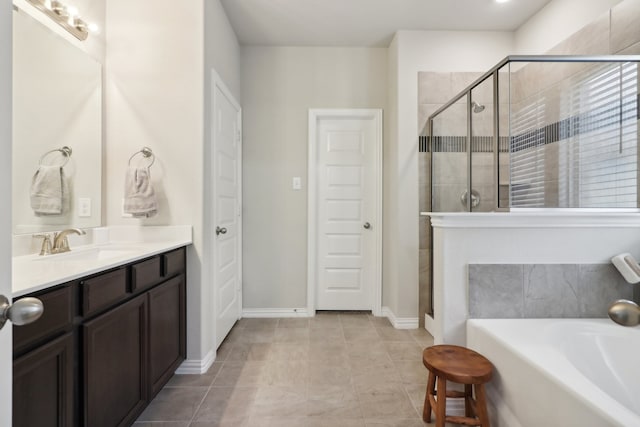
(477, 108)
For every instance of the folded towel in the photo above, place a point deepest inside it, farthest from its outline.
(139, 197)
(49, 191)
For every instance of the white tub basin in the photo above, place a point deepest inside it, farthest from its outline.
(560, 372)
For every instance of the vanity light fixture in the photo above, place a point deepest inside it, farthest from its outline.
(65, 16)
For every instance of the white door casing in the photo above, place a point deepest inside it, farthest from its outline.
(226, 163)
(345, 210)
(6, 364)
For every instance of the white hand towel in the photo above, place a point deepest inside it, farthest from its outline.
(49, 191)
(139, 197)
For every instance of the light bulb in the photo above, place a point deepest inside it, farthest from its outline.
(93, 28)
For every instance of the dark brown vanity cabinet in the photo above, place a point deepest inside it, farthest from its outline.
(106, 344)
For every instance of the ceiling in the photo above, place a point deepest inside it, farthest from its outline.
(366, 22)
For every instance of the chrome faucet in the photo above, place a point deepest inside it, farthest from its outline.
(60, 242)
(625, 312)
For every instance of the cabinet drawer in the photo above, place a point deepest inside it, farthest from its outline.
(56, 319)
(145, 274)
(101, 291)
(173, 262)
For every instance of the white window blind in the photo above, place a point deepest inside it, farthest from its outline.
(574, 144)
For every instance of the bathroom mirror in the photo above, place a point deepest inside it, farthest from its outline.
(57, 102)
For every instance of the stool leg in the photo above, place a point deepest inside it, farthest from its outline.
(431, 386)
(468, 411)
(441, 404)
(481, 406)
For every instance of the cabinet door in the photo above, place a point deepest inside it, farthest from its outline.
(43, 386)
(166, 331)
(115, 365)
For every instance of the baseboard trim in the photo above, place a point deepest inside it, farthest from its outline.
(195, 366)
(400, 322)
(429, 324)
(274, 312)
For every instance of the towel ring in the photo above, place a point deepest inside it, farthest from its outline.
(64, 151)
(146, 153)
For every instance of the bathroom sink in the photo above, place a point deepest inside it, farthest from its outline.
(91, 254)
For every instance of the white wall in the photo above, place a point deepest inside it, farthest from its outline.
(557, 21)
(157, 95)
(280, 85)
(154, 97)
(443, 51)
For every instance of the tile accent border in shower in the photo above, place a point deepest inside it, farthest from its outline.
(544, 290)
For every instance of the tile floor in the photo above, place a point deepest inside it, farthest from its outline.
(342, 370)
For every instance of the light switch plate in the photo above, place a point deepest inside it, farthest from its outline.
(296, 183)
(84, 207)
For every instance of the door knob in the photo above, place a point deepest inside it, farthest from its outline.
(367, 226)
(22, 312)
(220, 231)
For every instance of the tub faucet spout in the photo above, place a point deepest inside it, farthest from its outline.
(625, 312)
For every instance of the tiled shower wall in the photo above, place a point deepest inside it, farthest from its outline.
(434, 90)
(507, 291)
(616, 32)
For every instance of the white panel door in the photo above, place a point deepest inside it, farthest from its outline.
(6, 365)
(226, 162)
(346, 212)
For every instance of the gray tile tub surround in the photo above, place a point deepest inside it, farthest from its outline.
(509, 291)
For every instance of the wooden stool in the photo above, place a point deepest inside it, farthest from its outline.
(459, 365)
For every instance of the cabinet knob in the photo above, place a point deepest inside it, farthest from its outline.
(22, 312)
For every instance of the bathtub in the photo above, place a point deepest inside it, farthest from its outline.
(560, 372)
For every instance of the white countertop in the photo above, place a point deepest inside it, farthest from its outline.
(111, 247)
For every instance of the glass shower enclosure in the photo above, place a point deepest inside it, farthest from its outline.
(539, 132)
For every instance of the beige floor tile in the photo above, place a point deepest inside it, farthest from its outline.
(334, 422)
(249, 351)
(287, 373)
(222, 423)
(386, 402)
(404, 350)
(329, 374)
(162, 424)
(331, 401)
(259, 421)
(293, 323)
(334, 370)
(174, 404)
(331, 352)
(355, 321)
(389, 333)
(366, 377)
(289, 351)
(254, 336)
(260, 324)
(223, 351)
(241, 374)
(412, 372)
(283, 402)
(226, 404)
(361, 335)
(396, 423)
(291, 335)
(321, 321)
(416, 393)
(326, 335)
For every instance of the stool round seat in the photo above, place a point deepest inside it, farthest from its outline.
(458, 364)
(452, 363)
